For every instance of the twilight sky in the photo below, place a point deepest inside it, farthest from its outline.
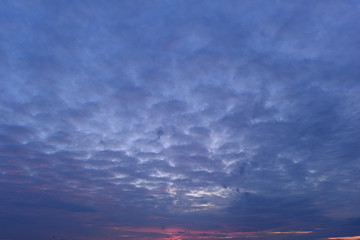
(179, 119)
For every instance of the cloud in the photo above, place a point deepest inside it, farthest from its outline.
(257, 103)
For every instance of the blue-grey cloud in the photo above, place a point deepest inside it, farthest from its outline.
(133, 117)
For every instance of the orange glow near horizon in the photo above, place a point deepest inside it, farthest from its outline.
(346, 238)
(179, 233)
(173, 233)
(292, 232)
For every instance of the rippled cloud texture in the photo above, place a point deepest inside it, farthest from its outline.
(179, 119)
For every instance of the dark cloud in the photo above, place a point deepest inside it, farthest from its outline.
(179, 119)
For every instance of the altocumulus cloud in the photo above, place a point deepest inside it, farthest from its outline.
(179, 119)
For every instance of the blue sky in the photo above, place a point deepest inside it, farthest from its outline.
(169, 119)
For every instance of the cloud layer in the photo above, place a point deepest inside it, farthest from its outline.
(179, 119)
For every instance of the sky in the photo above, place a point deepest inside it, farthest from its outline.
(179, 119)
